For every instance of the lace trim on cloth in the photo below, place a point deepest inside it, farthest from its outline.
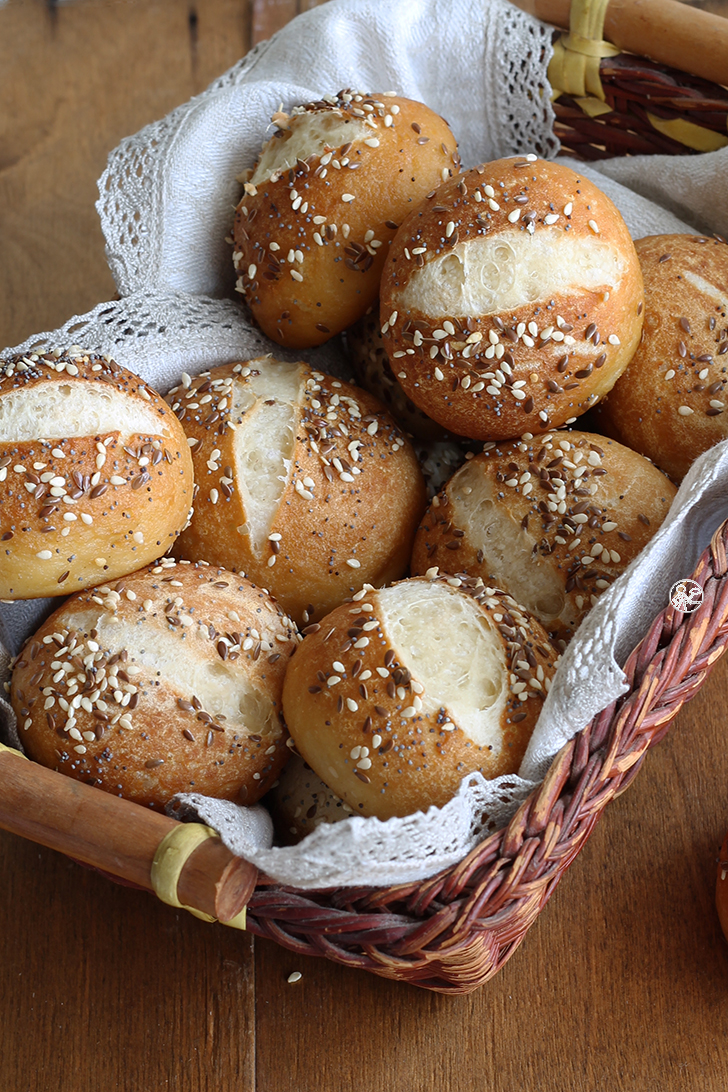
(523, 100)
(160, 336)
(132, 187)
(357, 851)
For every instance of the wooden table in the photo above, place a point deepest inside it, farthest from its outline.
(622, 984)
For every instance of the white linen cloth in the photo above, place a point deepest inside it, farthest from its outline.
(166, 203)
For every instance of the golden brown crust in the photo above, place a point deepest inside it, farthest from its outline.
(356, 716)
(82, 508)
(553, 520)
(490, 371)
(373, 372)
(166, 681)
(670, 402)
(334, 213)
(346, 514)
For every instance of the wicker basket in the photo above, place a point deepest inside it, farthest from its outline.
(454, 931)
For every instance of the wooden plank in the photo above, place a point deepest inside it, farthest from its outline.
(75, 79)
(270, 15)
(103, 987)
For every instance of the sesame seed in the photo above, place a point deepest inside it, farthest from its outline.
(594, 227)
(347, 197)
(354, 564)
(684, 411)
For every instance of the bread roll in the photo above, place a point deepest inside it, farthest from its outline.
(322, 204)
(304, 482)
(301, 801)
(399, 694)
(511, 299)
(670, 402)
(553, 520)
(95, 473)
(373, 372)
(166, 681)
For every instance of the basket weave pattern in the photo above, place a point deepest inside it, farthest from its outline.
(633, 87)
(453, 932)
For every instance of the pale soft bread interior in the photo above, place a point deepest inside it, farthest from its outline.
(504, 271)
(307, 135)
(507, 547)
(450, 646)
(60, 410)
(706, 287)
(220, 690)
(265, 441)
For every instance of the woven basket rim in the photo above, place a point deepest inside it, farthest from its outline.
(452, 932)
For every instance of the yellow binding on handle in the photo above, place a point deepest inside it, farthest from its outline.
(13, 751)
(172, 855)
(574, 70)
(574, 67)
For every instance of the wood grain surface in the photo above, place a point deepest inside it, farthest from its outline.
(621, 985)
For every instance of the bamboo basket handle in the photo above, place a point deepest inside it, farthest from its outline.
(665, 31)
(184, 864)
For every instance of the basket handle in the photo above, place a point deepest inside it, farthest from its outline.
(665, 31)
(184, 864)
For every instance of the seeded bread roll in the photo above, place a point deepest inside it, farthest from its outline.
(301, 801)
(395, 697)
(304, 482)
(95, 473)
(374, 373)
(670, 402)
(552, 520)
(511, 299)
(324, 201)
(166, 681)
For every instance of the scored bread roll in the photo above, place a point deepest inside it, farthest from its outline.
(168, 680)
(322, 204)
(553, 520)
(398, 695)
(373, 371)
(670, 402)
(511, 299)
(95, 473)
(301, 801)
(304, 482)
